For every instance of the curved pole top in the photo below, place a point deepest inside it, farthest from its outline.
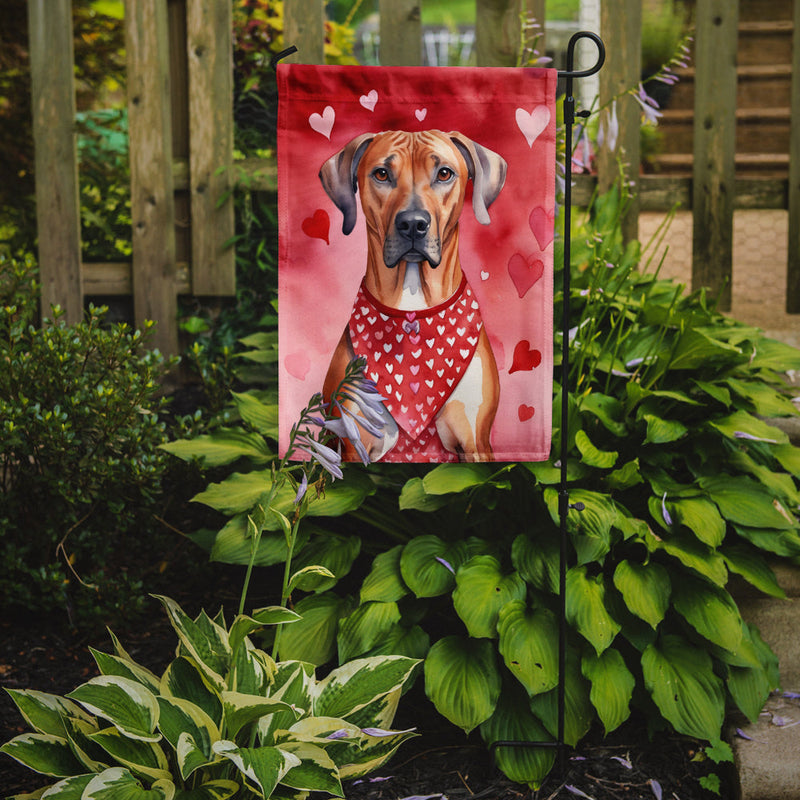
(570, 72)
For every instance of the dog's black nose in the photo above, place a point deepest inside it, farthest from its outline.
(413, 224)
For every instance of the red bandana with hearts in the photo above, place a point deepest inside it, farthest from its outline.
(416, 358)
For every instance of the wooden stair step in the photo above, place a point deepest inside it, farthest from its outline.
(763, 164)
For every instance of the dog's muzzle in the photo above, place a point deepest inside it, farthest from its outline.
(412, 240)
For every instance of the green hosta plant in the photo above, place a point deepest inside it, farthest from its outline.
(224, 720)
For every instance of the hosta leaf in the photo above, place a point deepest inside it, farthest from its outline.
(513, 721)
(118, 784)
(125, 668)
(244, 625)
(365, 627)
(709, 610)
(597, 517)
(693, 554)
(126, 704)
(782, 543)
(223, 446)
(749, 688)
(179, 717)
(740, 422)
(145, 759)
(399, 640)
(233, 544)
(537, 561)
(663, 431)
(608, 410)
(683, 685)
(612, 687)
(586, 608)
(766, 400)
(313, 638)
(237, 493)
(335, 553)
(646, 589)
(788, 455)
(242, 709)
(68, 789)
(591, 455)
(743, 501)
(367, 754)
(716, 391)
(696, 349)
(263, 766)
(701, 517)
(626, 476)
(481, 591)
(578, 710)
(774, 355)
(462, 680)
(529, 645)
(44, 753)
(182, 679)
(413, 496)
(428, 565)
(212, 790)
(449, 478)
(261, 416)
(190, 756)
(753, 567)
(294, 685)
(358, 683)
(45, 712)
(385, 582)
(316, 771)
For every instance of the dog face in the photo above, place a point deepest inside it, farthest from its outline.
(412, 188)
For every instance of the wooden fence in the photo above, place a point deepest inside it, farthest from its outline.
(181, 141)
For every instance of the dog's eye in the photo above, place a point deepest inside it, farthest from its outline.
(444, 174)
(381, 174)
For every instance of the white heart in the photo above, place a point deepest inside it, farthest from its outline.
(533, 123)
(368, 100)
(323, 123)
(421, 113)
(484, 276)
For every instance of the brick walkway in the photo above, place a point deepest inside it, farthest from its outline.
(759, 266)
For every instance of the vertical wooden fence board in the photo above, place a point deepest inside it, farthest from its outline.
(621, 29)
(210, 54)
(56, 161)
(793, 266)
(401, 33)
(498, 31)
(713, 190)
(152, 202)
(304, 27)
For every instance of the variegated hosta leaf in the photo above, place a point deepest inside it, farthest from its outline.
(373, 753)
(126, 704)
(710, 610)
(145, 759)
(204, 641)
(45, 712)
(212, 790)
(385, 581)
(244, 625)
(365, 627)
(262, 766)
(183, 679)
(683, 685)
(78, 733)
(242, 709)
(117, 783)
(44, 753)
(513, 721)
(646, 589)
(358, 683)
(462, 680)
(316, 771)
(68, 789)
(252, 670)
(612, 687)
(179, 718)
(294, 685)
(481, 591)
(586, 608)
(529, 645)
(125, 668)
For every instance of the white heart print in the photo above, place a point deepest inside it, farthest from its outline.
(369, 100)
(323, 123)
(533, 123)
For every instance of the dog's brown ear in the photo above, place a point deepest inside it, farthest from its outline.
(487, 170)
(338, 176)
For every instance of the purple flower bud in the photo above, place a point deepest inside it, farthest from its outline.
(342, 733)
(664, 512)
(447, 564)
(301, 489)
(655, 786)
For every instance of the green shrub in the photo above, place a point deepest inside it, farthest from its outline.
(79, 428)
(223, 720)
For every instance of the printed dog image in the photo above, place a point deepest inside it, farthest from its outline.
(415, 318)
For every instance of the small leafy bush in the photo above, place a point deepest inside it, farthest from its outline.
(79, 464)
(223, 720)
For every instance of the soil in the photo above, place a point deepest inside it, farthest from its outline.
(45, 654)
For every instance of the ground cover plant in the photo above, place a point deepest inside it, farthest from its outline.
(683, 484)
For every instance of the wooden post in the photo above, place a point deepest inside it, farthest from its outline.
(498, 30)
(621, 28)
(304, 27)
(56, 159)
(210, 53)
(401, 33)
(793, 267)
(152, 202)
(714, 146)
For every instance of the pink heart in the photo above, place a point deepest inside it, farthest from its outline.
(323, 123)
(297, 365)
(543, 226)
(525, 412)
(533, 123)
(421, 113)
(414, 387)
(317, 226)
(369, 100)
(524, 272)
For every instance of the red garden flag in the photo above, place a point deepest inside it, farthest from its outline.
(416, 214)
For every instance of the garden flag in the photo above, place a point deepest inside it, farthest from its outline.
(416, 212)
